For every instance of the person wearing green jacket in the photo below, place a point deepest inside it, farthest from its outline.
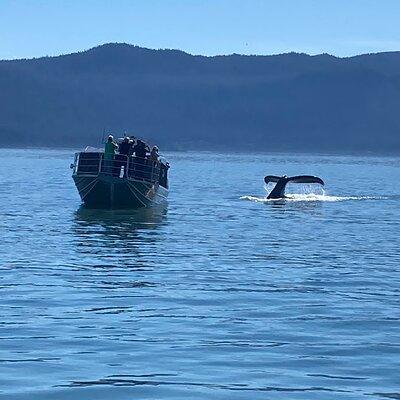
(109, 152)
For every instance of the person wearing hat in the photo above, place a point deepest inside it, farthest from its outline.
(125, 150)
(125, 146)
(154, 154)
(109, 152)
(140, 149)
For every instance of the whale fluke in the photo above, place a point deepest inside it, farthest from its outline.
(306, 179)
(278, 192)
(271, 178)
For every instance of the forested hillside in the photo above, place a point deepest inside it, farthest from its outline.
(282, 102)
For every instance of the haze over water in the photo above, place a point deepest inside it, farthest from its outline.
(220, 295)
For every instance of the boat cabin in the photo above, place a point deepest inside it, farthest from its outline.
(92, 162)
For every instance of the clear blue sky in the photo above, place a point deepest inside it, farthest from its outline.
(33, 28)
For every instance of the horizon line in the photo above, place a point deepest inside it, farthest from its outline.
(195, 55)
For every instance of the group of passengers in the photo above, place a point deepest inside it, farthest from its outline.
(116, 156)
(130, 147)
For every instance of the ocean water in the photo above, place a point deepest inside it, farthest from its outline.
(219, 295)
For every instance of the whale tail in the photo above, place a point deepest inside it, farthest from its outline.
(278, 191)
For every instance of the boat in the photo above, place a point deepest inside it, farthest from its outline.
(124, 182)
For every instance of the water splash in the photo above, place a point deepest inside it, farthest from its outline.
(308, 197)
(307, 193)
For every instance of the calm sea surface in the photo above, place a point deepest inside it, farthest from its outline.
(220, 295)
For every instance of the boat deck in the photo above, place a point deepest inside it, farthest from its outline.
(120, 166)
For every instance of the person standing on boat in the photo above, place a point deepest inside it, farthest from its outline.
(154, 162)
(140, 150)
(154, 154)
(109, 152)
(125, 146)
(125, 150)
(132, 143)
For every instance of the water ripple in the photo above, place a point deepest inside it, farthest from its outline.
(209, 297)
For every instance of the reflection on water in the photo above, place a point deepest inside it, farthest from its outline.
(122, 221)
(120, 236)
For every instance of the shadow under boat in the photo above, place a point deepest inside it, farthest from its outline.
(141, 218)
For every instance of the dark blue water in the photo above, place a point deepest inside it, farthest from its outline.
(220, 295)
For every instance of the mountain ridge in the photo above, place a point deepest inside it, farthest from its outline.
(132, 46)
(283, 102)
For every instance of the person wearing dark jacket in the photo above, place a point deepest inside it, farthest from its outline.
(154, 154)
(141, 149)
(125, 149)
(125, 146)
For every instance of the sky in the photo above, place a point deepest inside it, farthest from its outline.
(34, 28)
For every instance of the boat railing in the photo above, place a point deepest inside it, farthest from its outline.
(117, 165)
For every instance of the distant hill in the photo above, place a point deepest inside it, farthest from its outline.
(281, 102)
